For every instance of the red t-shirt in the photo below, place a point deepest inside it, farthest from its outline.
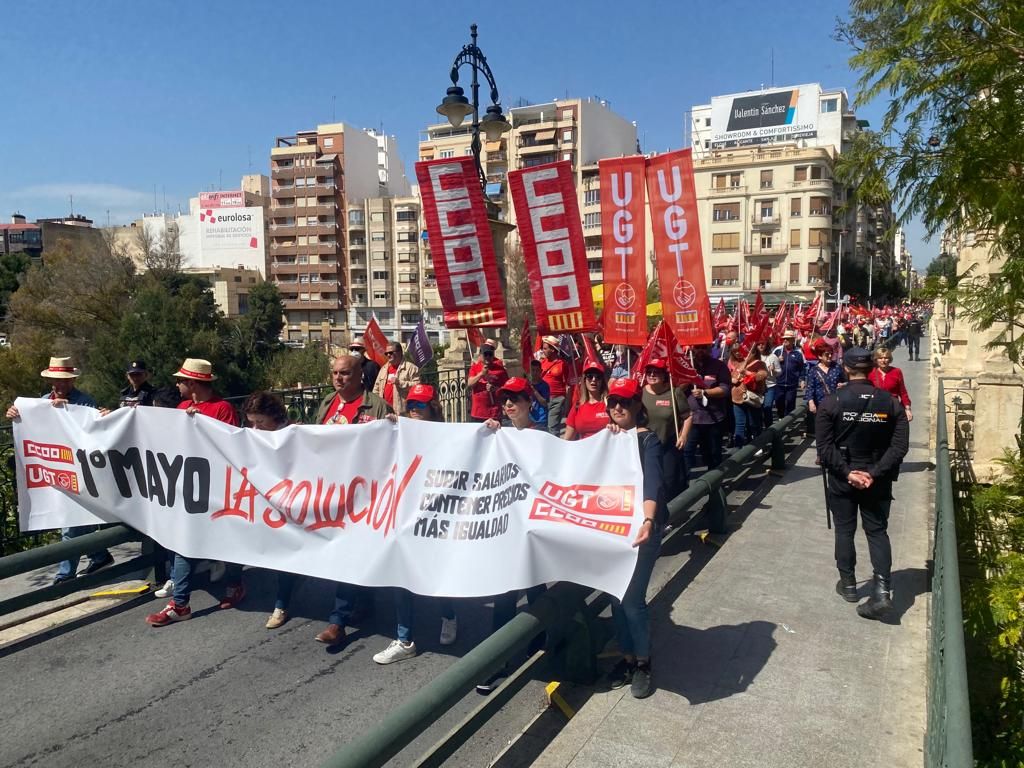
(215, 408)
(389, 385)
(343, 413)
(554, 374)
(484, 404)
(588, 418)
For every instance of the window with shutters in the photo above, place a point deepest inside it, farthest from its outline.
(726, 212)
(767, 208)
(794, 238)
(815, 273)
(725, 275)
(818, 237)
(816, 172)
(766, 179)
(821, 206)
(766, 242)
(800, 173)
(764, 275)
(794, 273)
(725, 241)
(794, 206)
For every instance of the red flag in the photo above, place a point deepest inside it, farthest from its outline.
(476, 338)
(779, 321)
(551, 232)
(673, 201)
(460, 243)
(830, 321)
(623, 250)
(755, 335)
(376, 342)
(720, 317)
(758, 305)
(526, 347)
(663, 345)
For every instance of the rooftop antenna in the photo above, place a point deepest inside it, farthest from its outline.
(154, 200)
(771, 73)
(108, 218)
(71, 202)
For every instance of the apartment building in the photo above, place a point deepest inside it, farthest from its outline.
(21, 236)
(391, 274)
(581, 131)
(768, 203)
(314, 176)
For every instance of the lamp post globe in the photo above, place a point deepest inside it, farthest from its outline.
(455, 106)
(494, 124)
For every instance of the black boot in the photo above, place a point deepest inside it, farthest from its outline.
(879, 604)
(846, 587)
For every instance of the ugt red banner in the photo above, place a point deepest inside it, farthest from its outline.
(684, 293)
(460, 243)
(551, 232)
(624, 319)
(376, 342)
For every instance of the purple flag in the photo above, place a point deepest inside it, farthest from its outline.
(419, 345)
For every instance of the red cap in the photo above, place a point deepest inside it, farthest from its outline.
(421, 393)
(625, 387)
(593, 365)
(514, 386)
(658, 362)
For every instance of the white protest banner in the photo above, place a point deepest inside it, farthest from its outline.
(440, 509)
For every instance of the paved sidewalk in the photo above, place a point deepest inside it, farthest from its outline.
(758, 662)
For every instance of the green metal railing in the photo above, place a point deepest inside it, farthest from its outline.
(562, 611)
(948, 739)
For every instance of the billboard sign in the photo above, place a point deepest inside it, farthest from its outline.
(764, 117)
(232, 199)
(234, 229)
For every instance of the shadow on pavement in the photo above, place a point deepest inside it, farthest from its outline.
(907, 584)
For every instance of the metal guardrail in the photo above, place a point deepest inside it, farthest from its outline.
(555, 612)
(948, 740)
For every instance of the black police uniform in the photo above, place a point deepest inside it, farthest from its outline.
(864, 428)
(131, 397)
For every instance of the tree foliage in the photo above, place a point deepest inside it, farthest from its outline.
(951, 143)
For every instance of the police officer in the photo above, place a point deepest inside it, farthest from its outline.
(139, 391)
(862, 436)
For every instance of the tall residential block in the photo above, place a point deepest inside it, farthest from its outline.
(768, 202)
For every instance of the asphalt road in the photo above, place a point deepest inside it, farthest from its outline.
(222, 690)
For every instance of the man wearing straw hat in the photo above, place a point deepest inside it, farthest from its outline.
(195, 385)
(62, 375)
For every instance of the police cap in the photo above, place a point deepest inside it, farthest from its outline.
(858, 358)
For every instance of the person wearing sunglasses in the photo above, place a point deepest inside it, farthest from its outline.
(420, 405)
(486, 376)
(671, 425)
(515, 400)
(396, 378)
(589, 415)
(824, 378)
(626, 412)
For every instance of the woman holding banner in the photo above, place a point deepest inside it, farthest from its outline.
(589, 415)
(420, 405)
(626, 411)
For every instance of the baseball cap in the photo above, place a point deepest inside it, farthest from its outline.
(137, 366)
(625, 387)
(514, 386)
(593, 365)
(657, 362)
(421, 393)
(857, 357)
(789, 334)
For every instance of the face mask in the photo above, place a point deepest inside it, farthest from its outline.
(355, 353)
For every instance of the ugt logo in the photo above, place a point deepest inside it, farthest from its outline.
(38, 476)
(605, 508)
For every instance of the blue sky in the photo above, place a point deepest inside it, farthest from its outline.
(109, 101)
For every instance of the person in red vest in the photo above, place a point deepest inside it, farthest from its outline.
(195, 385)
(486, 376)
(553, 372)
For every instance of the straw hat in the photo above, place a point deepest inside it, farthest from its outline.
(196, 369)
(61, 368)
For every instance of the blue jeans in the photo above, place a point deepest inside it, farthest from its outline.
(632, 623)
(181, 575)
(769, 404)
(709, 438)
(70, 567)
(405, 612)
(785, 400)
(285, 586)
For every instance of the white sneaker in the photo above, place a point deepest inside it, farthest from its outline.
(217, 571)
(397, 651)
(166, 589)
(449, 629)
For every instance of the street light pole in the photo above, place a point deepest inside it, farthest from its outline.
(839, 275)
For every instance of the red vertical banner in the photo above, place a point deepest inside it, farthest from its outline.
(376, 342)
(680, 260)
(460, 243)
(624, 318)
(551, 231)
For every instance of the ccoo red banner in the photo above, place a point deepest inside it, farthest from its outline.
(460, 243)
(684, 293)
(548, 216)
(624, 318)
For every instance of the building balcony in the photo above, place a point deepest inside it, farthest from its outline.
(826, 212)
(732, 189)
(297, 304)
(724, 218)
(283, 191)
(288, 267)
(528, 148)
(812, 183)
(775, 250)
(766, 222)
(287, 173)
(283, 230)
(284, 211)
(499, 157)
(277, 250)
(328, 249)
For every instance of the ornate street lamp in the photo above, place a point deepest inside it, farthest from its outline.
(456, 107)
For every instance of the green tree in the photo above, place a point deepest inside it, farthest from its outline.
(951, 143)
(13, 266)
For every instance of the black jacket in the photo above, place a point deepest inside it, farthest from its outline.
(131, 398)
(862, 427)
